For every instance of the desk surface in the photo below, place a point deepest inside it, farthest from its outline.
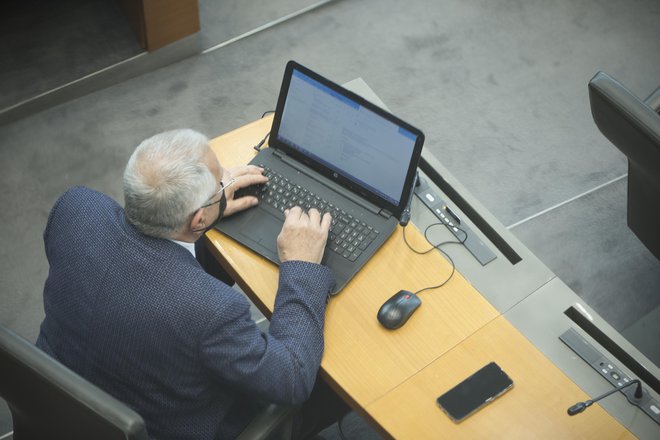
(455, 332)
(534, 408)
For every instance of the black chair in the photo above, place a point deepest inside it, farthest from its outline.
(633, 126)
(275, 422)
(48, 400)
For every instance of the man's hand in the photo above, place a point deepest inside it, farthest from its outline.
(303, 235)
(245, 176)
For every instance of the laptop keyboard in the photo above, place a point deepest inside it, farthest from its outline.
(348, 236)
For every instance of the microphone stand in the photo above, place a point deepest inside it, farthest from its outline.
(581, 406)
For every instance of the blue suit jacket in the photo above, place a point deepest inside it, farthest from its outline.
(140, 318)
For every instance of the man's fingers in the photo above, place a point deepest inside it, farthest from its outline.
(293, 215)
(240, 204)
(314, 216)
(245, 180)
(244, 176)
(326, 221)
(303, 235)
(245, 169)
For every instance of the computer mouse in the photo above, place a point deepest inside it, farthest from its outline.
(398, 309)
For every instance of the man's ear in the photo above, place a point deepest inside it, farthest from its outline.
(198, 221)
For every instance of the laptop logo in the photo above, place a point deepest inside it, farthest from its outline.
(335, 175)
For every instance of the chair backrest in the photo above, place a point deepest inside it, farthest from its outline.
(633, 126)
(47, 400)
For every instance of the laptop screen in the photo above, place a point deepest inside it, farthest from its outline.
(348, 136)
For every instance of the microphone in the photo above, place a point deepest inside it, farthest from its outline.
(581, 406)
(405, 215)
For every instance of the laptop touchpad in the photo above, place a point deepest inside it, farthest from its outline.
(263, 228)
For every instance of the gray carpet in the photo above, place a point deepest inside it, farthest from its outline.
(614, 274)
(499, 88)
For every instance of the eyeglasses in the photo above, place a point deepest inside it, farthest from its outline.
(223, 199)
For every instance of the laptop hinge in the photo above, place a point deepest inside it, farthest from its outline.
(385, 213)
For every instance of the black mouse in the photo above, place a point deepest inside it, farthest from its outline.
(396, 310)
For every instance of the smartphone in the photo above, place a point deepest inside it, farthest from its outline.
(475, 392)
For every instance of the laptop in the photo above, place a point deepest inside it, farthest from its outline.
(332, 150)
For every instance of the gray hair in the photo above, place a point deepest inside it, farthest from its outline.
(166, 181)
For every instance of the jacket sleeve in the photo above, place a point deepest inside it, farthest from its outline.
(281, 365)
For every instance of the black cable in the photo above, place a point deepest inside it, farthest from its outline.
(261, 142)
(437, 286)
(437, 246)
(433, 247)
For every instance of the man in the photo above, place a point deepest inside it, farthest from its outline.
(129, 308)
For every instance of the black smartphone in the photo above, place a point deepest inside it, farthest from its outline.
(474, 392)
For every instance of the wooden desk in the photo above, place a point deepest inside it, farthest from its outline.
(456, 331)
(534, 408)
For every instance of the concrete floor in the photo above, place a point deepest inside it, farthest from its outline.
(499, 88)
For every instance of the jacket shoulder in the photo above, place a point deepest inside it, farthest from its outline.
(82, 194)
